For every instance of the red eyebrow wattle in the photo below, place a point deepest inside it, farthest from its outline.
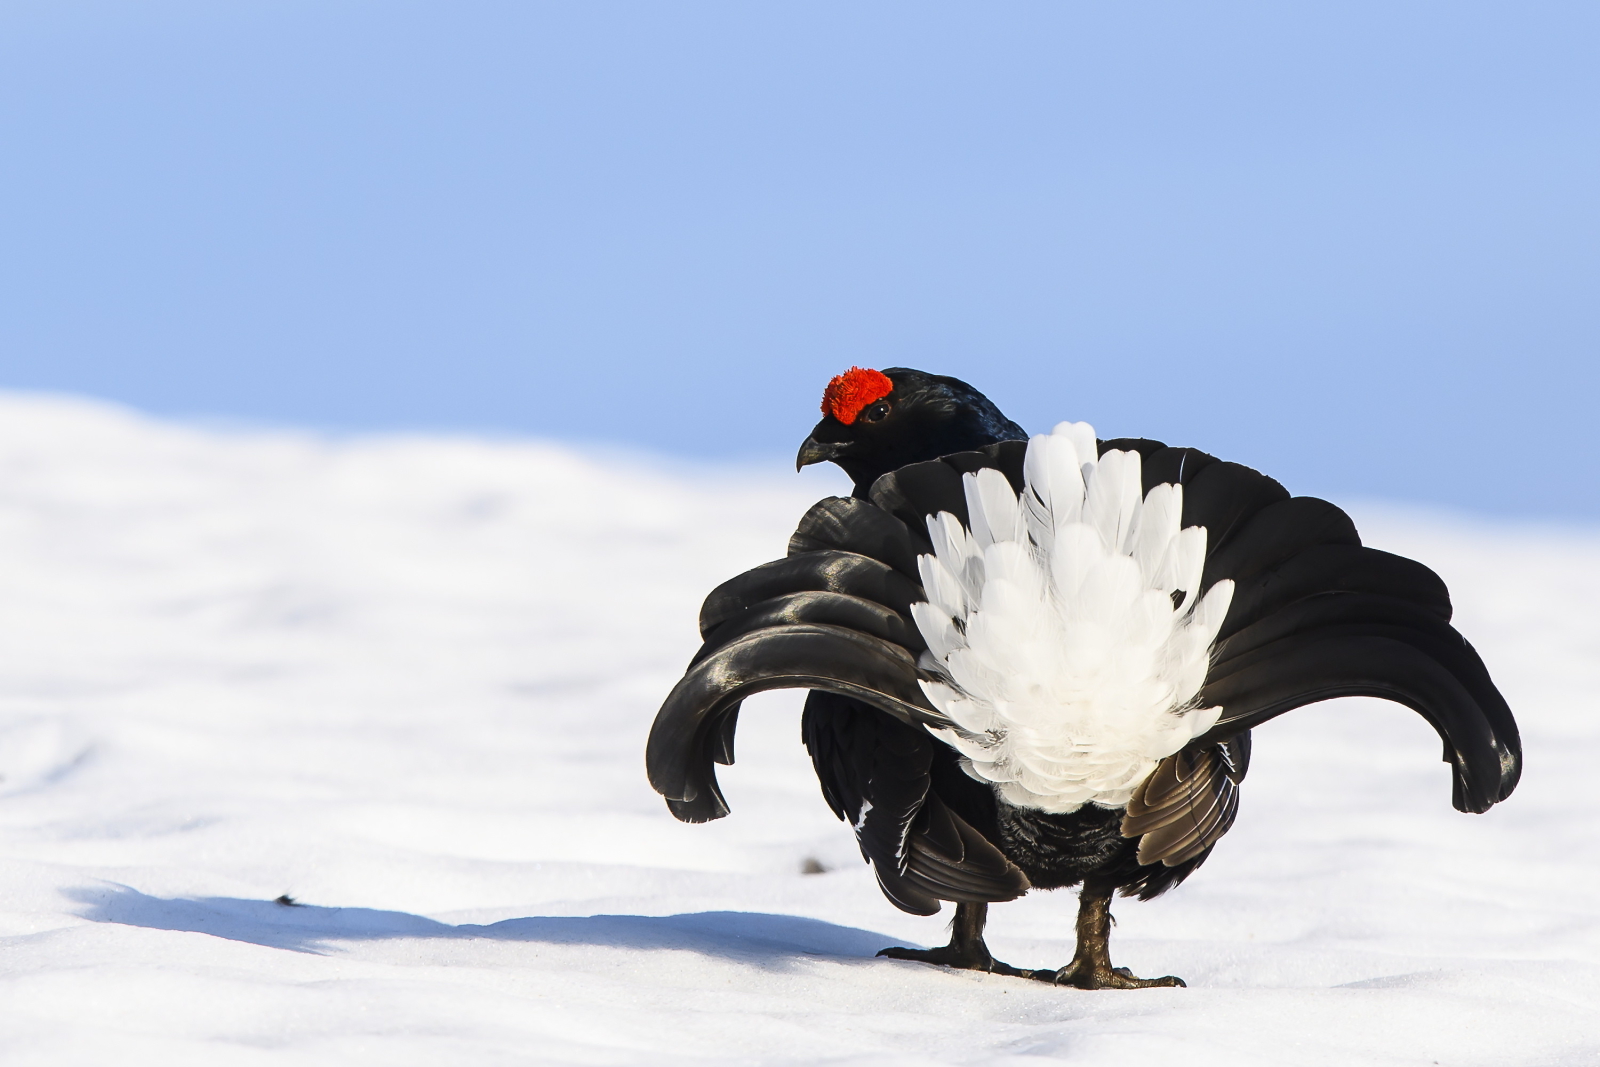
(853, 390)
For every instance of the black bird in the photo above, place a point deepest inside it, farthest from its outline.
(878, 421)
(1036, 664)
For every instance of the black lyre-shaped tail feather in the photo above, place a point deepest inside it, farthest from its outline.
(829, 618)
(690, 734)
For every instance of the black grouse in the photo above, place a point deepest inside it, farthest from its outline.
(1036, 663)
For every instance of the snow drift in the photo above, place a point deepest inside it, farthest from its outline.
(406, 681)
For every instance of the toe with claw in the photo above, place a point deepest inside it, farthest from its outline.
(1100, 976)
(1091, 964)
(966, 950)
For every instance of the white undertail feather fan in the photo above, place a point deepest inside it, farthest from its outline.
(1065, 636)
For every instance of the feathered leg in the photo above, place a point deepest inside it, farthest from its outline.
(966, 950)
(1091, 964)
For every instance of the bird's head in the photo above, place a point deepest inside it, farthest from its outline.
(874, 422)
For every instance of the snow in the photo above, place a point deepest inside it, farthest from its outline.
(407, 680)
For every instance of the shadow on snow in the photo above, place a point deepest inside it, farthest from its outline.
(750, 937)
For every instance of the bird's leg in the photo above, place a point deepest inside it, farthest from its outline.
(1091, 964)
(966, 949)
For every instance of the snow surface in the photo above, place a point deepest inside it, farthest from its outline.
(408, 680)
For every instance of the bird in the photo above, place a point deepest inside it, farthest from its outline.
(1035, 662)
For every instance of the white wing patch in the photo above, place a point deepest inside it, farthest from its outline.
(1065, 639)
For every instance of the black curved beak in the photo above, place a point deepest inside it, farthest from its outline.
(814, 451)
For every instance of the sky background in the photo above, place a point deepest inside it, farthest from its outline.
(1356, 245)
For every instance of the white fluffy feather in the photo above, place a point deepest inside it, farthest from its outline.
(1054, 640)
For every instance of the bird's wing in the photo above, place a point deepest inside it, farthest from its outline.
(1188, 802)
(1317, 615)
(875, 775)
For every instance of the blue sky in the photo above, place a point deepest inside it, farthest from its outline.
(1356, 245)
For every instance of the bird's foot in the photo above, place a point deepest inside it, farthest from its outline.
(1085, 975)
(960, 957)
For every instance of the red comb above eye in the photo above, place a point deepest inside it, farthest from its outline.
(853, 390)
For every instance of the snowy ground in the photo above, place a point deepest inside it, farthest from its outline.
(408, 681)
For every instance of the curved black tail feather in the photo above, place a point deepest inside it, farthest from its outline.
(1365, 661)
(687, 735)
(828, 571)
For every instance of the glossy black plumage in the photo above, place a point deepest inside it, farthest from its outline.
(922, 849)
(1314, 615)
(689, 737)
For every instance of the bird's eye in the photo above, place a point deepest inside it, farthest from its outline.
(875, 412)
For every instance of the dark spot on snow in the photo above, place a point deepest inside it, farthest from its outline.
(287, 901)
(812, 865)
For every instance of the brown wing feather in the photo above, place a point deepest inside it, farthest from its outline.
(1183, 808)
